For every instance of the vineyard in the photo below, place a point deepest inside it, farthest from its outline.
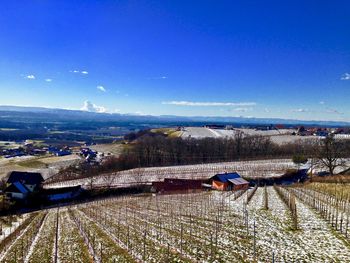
(256, 169)
(304, 223)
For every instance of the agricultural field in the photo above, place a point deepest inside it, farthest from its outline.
(170, 132)
(303, 223)
(47, 165)
(108, 148)
(257, 169)
(280, 137)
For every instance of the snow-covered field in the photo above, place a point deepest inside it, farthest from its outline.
(281, 136)
(197, 227)
(202, 132)
(248, 169)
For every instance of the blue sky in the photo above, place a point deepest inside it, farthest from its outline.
(205, 58)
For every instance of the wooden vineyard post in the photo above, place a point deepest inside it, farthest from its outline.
(341, 223)
(266, 199)
(127, 239)
(22, 249)
(191, 225)
(101, 252)
(93, 244)
(144, 245)
(168, 253)
(160, 231)
(254, 242)
(211, 245)
(56, 235)
(181, 238)
(247, 221)
(216, 233)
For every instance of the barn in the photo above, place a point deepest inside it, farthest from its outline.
(22, 184)
(239, 184)
(228, 182)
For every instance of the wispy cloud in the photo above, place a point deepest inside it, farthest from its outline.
(48, 80)
(160, 77)
(299, 110)
(91, 107)
(30, 77)
(322, 102)
(242, 109)
(208, 104)
(333, 111)
(84, 72)
(345, 76)
(141, 113)
(101, 88)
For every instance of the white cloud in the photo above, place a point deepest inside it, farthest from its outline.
(141, 113)
(322, 102)
(300, 110)
(48, 80)
(161, 77)
(30, 77)
(266, 110)
(101, 88)
(90, 107)
(243, 109)
(208, 104)
(345, 76)
(334, 111)
(84, 72)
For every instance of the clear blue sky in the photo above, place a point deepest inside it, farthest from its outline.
(288, 59)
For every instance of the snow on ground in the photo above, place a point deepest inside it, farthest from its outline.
(202, 132)
(6, 230)
(71, 245)
(248, 169)
(188, 222)
(314, 241)
(281, 136)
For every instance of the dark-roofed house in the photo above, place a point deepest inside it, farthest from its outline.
(17, 191)
(228, 182)
(20, 184)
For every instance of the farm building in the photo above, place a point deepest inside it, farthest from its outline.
(17, 191)
(64, 193)
(20, 184)
(228, 182)
(177, 185)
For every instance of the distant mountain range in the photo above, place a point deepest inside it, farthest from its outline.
(66, 115)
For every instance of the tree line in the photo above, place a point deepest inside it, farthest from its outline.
(149, 150)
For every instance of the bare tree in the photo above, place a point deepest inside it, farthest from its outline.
(330, 153)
